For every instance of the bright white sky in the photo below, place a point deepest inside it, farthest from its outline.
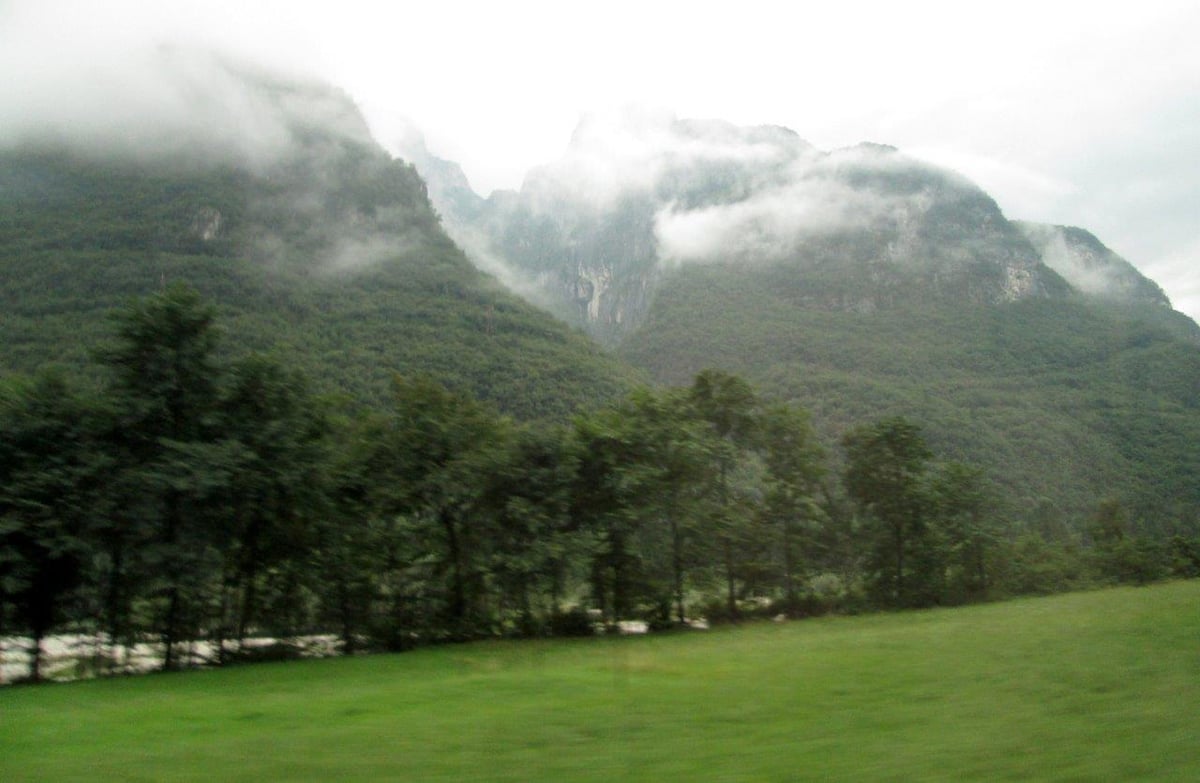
(1083, 113)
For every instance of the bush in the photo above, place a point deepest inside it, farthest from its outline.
(716, 611)
(1183, 557)
(656, 621)
(573, 622)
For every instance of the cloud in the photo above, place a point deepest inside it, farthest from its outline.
(479, 250)
(716, 191)
(1082, 260)
(629, 152)
(143, 93)
(768, 225)
(183, 103)
(815, 195)
(1030, 190)
(1064, 98)
(1088, 278)
(349, 254)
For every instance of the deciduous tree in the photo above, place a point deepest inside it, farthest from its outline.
(886, 466)
(730, 407)
(47, 475)
(174, 464)
(793, 460)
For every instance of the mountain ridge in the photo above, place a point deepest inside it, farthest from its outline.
(736, 180)
(862, 283)
(326, 252)
(858, 283)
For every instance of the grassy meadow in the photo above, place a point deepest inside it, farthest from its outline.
(1090, 686)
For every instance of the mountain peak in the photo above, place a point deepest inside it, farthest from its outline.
(640, 194)
(449, 188)
(874, 147)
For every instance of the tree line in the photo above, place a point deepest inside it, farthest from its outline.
(188, 497)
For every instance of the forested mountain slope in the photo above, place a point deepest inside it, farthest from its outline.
(321, 249)
(1062, 402)
(863, 283)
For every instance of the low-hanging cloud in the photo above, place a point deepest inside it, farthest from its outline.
(809, 198)
(768, 225)
(146, 98)
(1088, 265)
(477, 248)
(153, 92)
(631, 151)
(720, 192)
(1076, 268)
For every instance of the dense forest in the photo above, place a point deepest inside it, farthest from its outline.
(333, 262)
(1060, 401)
(179, 490)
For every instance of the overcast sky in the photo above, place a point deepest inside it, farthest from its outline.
(1067, 112)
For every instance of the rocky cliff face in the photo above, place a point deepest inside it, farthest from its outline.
(635, 198)
(595, 269)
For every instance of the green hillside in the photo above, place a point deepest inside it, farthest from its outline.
(331, 259)
(1063, 402)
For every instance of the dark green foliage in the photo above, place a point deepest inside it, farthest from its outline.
(174, 465)
(1117, 554)
(1031, 564)
(667, 484)
(969, 533)
(1060, 401)
(432, 448)
(527, 496)
(794, 464)
(664, 469)
(573, 622)
(605, 501)
(886, 467)
(47, 481)
(277, 486)
(191, 491)
(729, 406)
(930, 529)
(1183, 557)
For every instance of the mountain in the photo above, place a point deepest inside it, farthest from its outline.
(863, 283)
(314, 243)
(636, 197)
(457, 203)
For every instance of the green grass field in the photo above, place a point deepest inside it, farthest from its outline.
(1100, 686)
